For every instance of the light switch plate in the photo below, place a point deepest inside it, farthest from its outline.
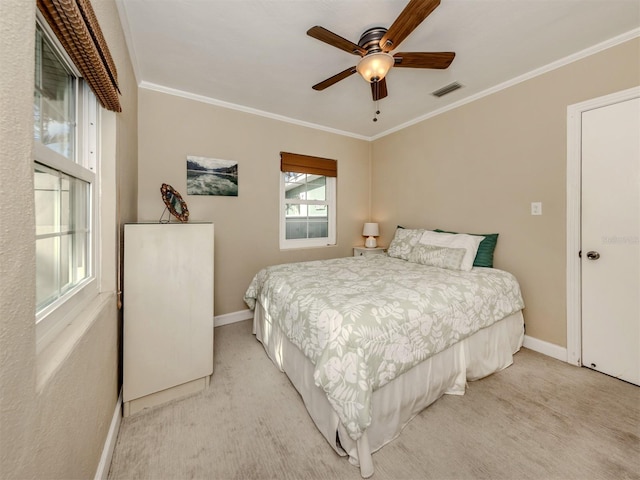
(536, 208)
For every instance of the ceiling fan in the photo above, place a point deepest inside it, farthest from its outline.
(376, 43)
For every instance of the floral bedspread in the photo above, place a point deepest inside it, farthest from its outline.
(364, 320)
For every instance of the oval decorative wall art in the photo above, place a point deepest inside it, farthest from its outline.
(174, 202)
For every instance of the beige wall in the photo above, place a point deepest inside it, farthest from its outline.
(246, 226)
(477, 169)
(56, 427)
(17, 266)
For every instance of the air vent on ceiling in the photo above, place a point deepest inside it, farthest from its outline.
(447, 89)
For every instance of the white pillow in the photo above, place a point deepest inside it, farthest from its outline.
(455, 240)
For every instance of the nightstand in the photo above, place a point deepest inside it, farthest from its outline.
(358, 251)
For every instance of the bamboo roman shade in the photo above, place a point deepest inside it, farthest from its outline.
(293, 162)
(76, 26)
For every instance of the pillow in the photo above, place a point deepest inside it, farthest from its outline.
(455, 240)
(403, 242)
(484, 257)
(442, 257)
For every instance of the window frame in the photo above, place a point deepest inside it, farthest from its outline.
(330, 201)
(85, 166)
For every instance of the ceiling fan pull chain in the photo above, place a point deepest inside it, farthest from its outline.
(375, 117)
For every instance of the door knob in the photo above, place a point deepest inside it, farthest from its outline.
(593, 255)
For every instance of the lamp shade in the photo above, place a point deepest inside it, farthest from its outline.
(374, 66)
(370, 230)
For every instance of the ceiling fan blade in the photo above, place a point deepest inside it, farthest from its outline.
(379, 89)
(412, 15)
(424, 59)
(335, 79)
(324, 35)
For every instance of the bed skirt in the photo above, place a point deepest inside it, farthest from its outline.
(396, 403)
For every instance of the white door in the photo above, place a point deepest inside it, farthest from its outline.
(611, 240)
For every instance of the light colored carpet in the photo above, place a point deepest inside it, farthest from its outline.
(538, 419)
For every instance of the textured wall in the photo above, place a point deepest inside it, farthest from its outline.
(54, 427)
(17, 256)
(477, 169)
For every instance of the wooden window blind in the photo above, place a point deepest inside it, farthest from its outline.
(76, 26)
(293, 162)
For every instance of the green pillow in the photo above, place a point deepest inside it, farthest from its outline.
(484, 256)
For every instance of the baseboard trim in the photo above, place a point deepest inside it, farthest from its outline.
(232, 317)
(546, 348)
(102, 472)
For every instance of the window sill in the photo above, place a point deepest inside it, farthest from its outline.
(284, 248)
(54, 355)
(305, 244)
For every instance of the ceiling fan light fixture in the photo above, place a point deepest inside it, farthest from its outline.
(375, 66)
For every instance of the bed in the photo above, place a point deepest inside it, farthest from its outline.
(371, 341)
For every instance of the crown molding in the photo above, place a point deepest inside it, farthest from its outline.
(242, 108)
(490, 91)
(522, 78)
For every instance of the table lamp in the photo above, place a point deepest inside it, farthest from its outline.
(370, 231)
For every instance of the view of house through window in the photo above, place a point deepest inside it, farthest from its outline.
(63, 175)
(306, 206)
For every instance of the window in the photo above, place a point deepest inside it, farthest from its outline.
(308, 201)
(65, 117)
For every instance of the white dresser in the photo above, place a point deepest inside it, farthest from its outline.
(168, 312)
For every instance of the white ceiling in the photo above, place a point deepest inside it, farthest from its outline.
(254, 55)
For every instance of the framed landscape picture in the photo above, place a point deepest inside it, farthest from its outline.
(212, 176)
